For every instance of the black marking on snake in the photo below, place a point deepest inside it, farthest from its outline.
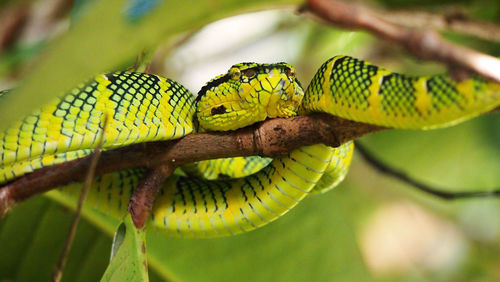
(444, 88)
(135, 98)
(218, 110)
(401, 86)
(298, 83)
(123, 175)
(258, 198)
(247, 163)
(337, 63)
(212, 194)
(246, 218)
(202, 191)
(176, 102)
(225, 78)
(252, 186)
(212, 83)
(266, 67)
(269, 171)
(191, 193)
(282, 162)
(259, 181)
(223, 188)
(124, 81)
(242, 189)
(174, 198)
(183, 198)
(82, 97)
(224, 176)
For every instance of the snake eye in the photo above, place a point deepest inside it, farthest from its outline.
(218, 110)
(249, 73)
(290, 72)
(235, 73)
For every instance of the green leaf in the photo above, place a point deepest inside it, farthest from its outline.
(128, 255)
(32, 238)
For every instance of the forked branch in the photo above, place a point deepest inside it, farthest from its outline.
(272, 138)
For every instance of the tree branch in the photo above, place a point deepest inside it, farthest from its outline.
(454, 21)
(141, 202)
(271, 138)
(424, 44)
(12, 20)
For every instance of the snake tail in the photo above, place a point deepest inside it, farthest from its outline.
(356, 90)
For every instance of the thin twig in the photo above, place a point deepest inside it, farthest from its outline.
(402, 176)
(425, 44)
(141, 202)
(456, 22)
(12, 21)
(57, 275)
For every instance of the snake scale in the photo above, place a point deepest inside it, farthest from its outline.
(144, 107)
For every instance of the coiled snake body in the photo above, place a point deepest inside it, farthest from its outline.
(145, 107)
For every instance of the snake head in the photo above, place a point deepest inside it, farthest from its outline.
(248, 93)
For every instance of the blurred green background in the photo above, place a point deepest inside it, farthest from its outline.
(371, 227)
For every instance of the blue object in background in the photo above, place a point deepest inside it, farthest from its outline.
(137, 9)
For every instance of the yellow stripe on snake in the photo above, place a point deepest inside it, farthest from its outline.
(145, 107)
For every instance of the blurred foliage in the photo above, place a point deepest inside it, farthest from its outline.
(323, 238)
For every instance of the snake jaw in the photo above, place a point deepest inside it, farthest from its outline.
(285, 94)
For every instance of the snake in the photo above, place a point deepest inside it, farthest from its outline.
(234, 195)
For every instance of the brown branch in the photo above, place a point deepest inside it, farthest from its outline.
(23, 20)
(455, 21)
(272, 138)
(141, 202)
(425, 44)
(12, 21)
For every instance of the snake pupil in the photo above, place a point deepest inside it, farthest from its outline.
(219, 110)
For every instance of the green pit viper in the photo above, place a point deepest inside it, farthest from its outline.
(145, 107)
